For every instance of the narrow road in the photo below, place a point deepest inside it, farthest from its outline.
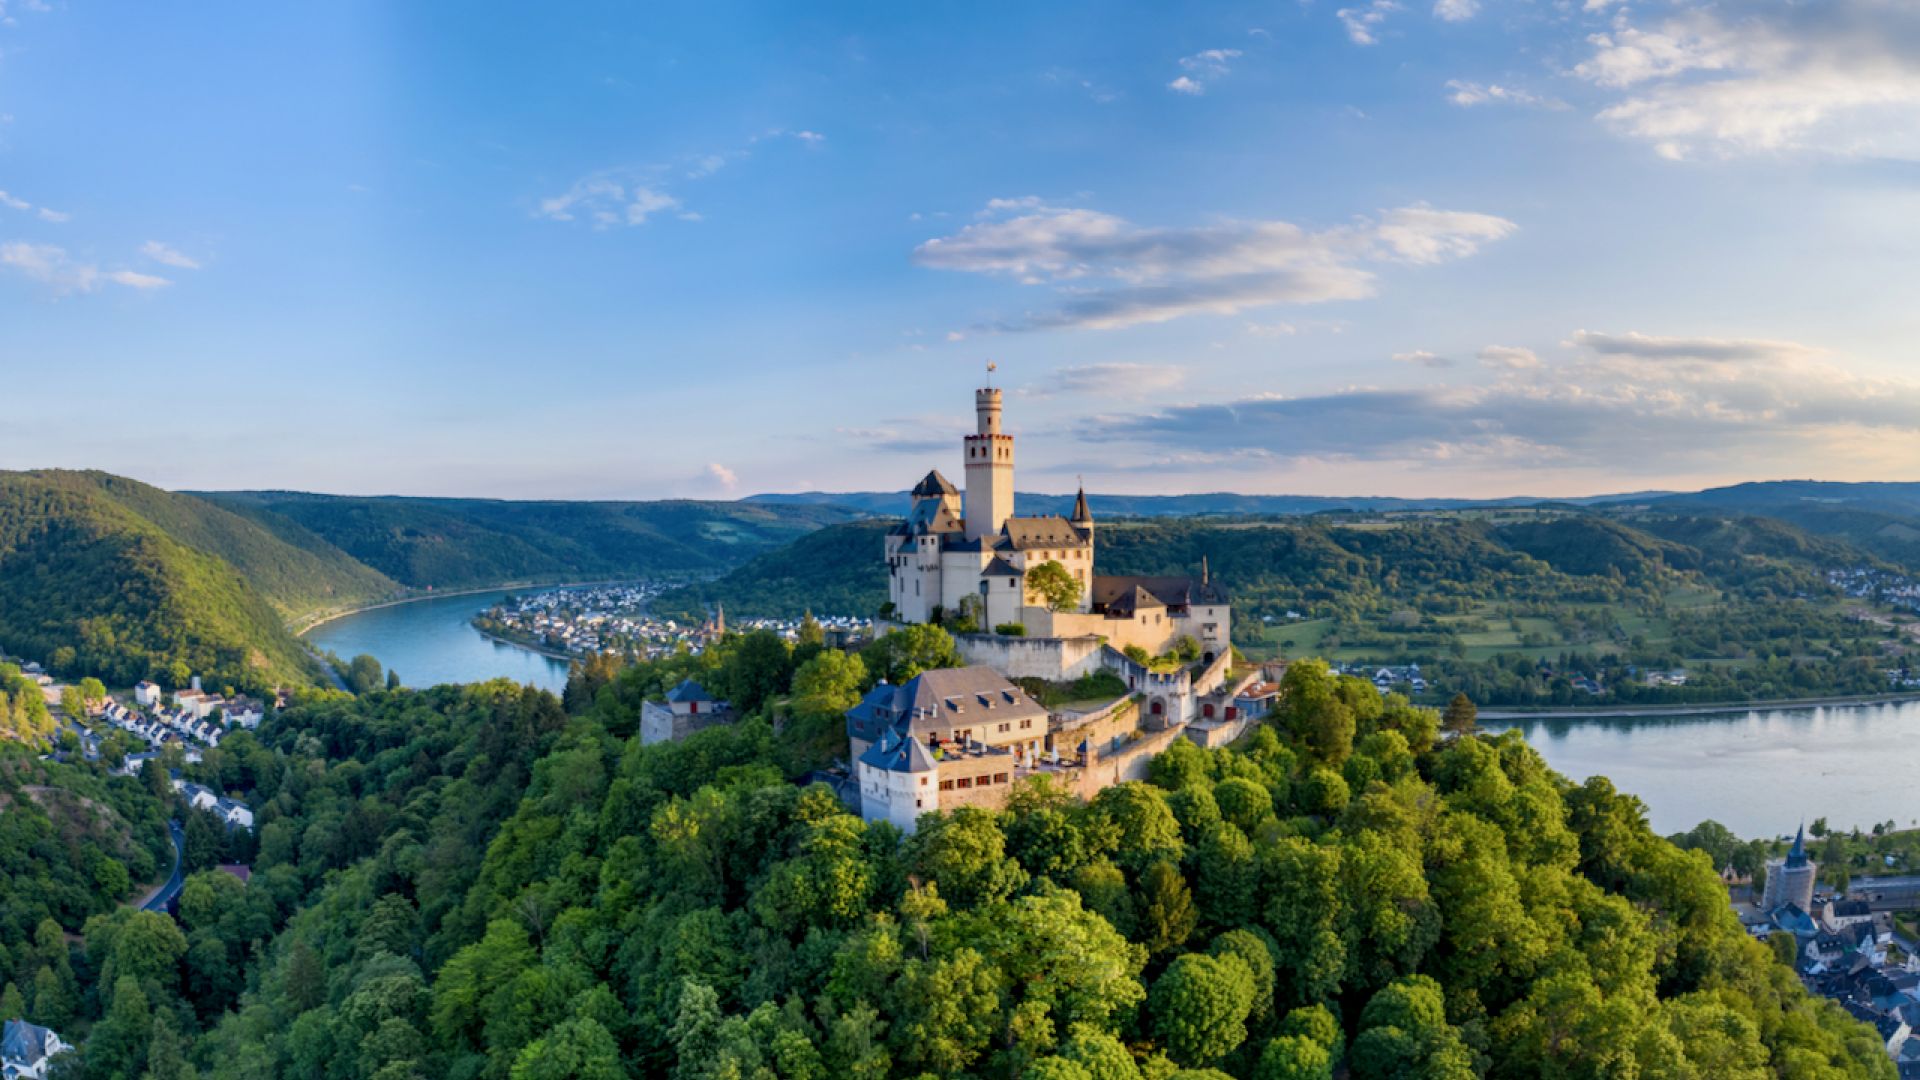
(164, 895)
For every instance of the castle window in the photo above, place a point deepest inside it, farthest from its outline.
(946, 785)
(1025, 724)
(923, 781)
(999, 778)
(963, 782)
(1004, 728)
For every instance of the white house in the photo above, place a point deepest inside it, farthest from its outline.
(27, 1050)
(146, 694)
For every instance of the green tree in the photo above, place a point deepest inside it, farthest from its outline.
(1199, 1007)
(166, 1051)
(1055, 585)
(580, 1049)
(364, 674)
(1167, 913)
(1461, 718)
(899, 656)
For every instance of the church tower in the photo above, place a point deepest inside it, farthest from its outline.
(989, 499)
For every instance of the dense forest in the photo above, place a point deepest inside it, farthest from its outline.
(481, 882)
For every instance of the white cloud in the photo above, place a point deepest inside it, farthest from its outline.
(1455, 10)
(1468, 94)
(44, 213)
(1201, 67)
(1107, 272)
(607, 201)
(1627, 403)
(1840, 78)
(161, 253)
(723, 476)
(1121, 380)
(1509, 357)
(13, 202)
(1422, 358)
(136, 280)
(1362, 23)
(50, 265)
(57, 217)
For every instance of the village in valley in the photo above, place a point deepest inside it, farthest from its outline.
(582, 621)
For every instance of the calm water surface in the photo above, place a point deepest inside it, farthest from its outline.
(1759, 772)
(431, 641)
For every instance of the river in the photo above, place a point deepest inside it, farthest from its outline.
(432, 641)
(1759, 772)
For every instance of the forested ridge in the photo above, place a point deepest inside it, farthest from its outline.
(456, 543)
(476, 882)
(91, 587)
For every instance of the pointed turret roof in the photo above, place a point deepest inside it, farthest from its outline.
(1080, 511)
(1797, 854)
(933, 486)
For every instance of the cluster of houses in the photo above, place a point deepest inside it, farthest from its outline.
(194, 717)
(1842, 947)
(234, 813)
(1388, 679)
(613, 619)
(1878, 586)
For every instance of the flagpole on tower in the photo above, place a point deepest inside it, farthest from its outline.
(990, 369)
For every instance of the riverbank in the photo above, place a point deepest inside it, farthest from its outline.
(1596, 712)
(543, 650)
(300, 629)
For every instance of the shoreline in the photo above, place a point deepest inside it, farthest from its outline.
(322, 620)
(540, 650)
(1517, 716)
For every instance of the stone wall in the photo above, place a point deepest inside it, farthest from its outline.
(1053, 659)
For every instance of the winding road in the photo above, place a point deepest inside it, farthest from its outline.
(164, 895)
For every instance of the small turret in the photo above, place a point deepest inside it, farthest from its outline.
(1797, 854)
(1081, 515)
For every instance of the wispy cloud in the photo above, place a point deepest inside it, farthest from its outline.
(1467, 94)
(1363, 23)
(634, 195)
(1509, 357)
(52, 266)
(1455, 10)
(1631, 403)
(725, 477)
(1422, 358)
(44, 213)
(1115, 380)
(168, 256)
(1106, 272)
(1201, 68)
(1838, 78)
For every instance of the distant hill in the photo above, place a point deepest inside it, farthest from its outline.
(1279, 564)
(1882, 519)
(102, 576)
(456, 543)
(835, 571)
(894, 503)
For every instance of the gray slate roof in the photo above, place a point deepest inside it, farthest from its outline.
(935, 703)
(688, 690)
(24, 1042)
(933, 485)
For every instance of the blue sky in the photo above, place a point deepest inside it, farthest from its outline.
(1471, 247)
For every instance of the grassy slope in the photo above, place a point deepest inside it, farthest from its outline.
(81, 570)
(452, 543)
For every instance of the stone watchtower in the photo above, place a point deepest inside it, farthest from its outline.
(1790, 879)
(989, 497)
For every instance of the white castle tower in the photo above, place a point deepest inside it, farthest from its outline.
(989, 499)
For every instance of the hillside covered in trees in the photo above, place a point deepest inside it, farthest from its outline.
(475, 882)
(107, 577)
(458, 543)
(92, 585)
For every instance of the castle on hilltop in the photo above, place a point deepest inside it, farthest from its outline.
(967, 553)
(967, 736)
